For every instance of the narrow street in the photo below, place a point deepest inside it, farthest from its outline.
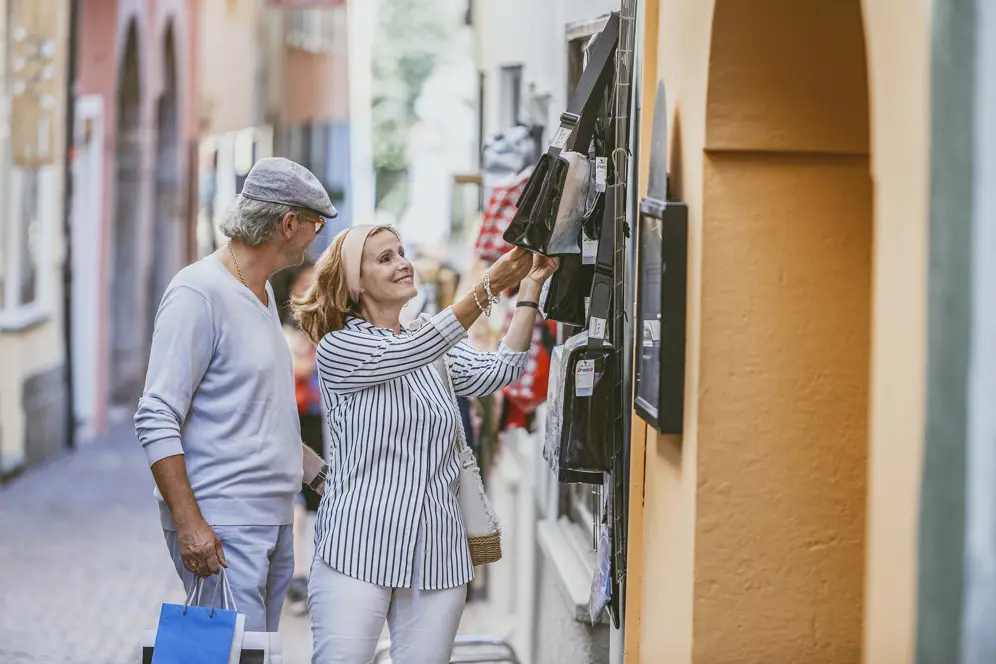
(83, 565)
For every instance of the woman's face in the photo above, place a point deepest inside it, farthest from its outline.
(386, 276)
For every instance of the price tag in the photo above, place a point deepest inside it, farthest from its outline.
(601, 169)
(584, 378)
(597, 328)
(589, 249)
(560, 138)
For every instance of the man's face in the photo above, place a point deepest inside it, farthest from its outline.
(304, 228)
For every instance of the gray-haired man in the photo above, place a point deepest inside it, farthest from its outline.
(218, 419)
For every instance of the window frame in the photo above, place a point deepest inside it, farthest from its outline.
(510, 81)
(16, 315)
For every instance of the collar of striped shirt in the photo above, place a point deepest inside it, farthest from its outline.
(360, 325)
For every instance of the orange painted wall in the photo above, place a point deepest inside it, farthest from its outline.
(779, 534)
(753, 534)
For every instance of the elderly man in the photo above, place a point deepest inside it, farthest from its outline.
(218, 419)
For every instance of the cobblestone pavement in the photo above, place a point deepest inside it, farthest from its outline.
(83, 565)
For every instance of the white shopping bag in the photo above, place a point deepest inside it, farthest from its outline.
(256, 648)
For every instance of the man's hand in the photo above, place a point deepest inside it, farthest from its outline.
(200, 549)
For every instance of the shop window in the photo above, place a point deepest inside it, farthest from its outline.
(510, 95)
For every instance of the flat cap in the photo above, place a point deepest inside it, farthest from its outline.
(282, 181)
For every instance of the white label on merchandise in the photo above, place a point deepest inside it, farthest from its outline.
(584, 378)
(601, 170)
(597, 328)
(589, 249)
(560, 138)
(587, 301)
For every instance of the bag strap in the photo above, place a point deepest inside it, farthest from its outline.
(444, 375)
(227, 595)
(601, 286)
(578, 121)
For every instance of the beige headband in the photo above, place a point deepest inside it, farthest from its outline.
(352, 255)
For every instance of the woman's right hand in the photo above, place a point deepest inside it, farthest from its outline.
(509, 270)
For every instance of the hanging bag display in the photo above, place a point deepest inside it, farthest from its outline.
(581, 411)
(554, 203)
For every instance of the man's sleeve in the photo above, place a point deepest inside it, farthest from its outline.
(182, 346)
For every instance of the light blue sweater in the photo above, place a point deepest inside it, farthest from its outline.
(220, 391)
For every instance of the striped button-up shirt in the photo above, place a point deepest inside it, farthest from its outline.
(393, 467)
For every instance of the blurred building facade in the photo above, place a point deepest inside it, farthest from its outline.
(135, 129)
(34, 72)
(274, 82)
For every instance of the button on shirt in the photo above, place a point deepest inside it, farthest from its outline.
(393, 463)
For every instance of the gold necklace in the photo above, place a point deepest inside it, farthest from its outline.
(237, 268)
(241, 278)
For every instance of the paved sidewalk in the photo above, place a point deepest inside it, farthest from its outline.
(83, 565)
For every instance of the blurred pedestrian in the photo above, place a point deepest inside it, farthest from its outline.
(218, 419)
(391, 545)
(309, 412)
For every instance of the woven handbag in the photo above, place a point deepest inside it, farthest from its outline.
(479, 518)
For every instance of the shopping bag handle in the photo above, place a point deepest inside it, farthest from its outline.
(227, 596)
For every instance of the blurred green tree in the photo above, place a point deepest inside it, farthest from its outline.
(409, 36)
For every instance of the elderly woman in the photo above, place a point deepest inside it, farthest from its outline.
(390, 542)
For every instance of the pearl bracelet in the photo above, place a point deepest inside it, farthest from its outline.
(486, 281)
(477, 301)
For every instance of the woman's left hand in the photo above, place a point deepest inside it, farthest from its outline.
(543, 267)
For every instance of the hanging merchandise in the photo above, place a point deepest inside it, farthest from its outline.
(562, 188)
(570, 286)
(508, 152)
(498, 214)
(601, 581)
(581, 412)
(567, 298)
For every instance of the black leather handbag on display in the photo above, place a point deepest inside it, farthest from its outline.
(581, 411)
(560, 192)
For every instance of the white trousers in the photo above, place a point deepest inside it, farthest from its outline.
(348, 617)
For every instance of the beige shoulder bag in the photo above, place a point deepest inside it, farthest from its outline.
(479, 518)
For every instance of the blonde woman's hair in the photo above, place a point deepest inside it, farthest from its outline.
(326, 304)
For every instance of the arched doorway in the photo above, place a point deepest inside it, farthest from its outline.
(126, 342)
(786, 242)
(167, 231)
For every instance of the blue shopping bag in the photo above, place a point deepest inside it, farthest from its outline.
(191, 634)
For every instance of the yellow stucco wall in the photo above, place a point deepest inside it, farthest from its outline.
(805, 336)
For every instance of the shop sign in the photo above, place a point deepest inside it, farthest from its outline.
(35, 74)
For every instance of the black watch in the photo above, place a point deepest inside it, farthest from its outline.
(319, 479)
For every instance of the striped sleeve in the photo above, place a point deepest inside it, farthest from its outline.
(476, 373)
(349, 361)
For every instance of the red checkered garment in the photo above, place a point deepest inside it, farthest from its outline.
(497, 216)
(530, 390)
